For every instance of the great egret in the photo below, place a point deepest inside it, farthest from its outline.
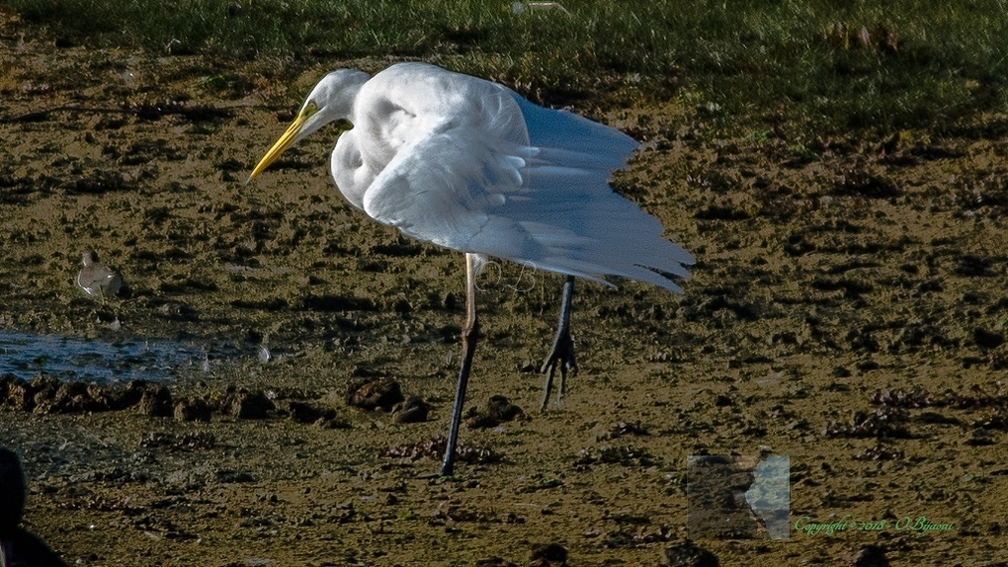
(97, 279)
(470, 165)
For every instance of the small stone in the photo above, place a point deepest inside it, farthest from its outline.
(688, 554)
(381, 393)
(871, 556)
(413, 410)
(304, 413)
(543, 554)
(497, 410)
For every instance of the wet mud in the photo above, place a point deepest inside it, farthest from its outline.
(847, 310)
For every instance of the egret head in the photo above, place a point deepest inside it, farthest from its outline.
(331, 100)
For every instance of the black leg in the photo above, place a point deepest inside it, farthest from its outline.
(562, 353)
(470, 334)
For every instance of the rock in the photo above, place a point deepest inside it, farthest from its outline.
(41, 389)
(19, 395)
(543, 554)
(6, 381)
(383, 393)
(413, 410)
(74, 397)
(688, 554)
(192, 409)
(871, 556)
(128, 396)
(250, 405)
(302, 412)
(155, 401)
(497, 410)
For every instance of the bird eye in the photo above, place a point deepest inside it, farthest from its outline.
(309, 109)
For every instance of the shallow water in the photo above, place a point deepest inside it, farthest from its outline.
(26, 355)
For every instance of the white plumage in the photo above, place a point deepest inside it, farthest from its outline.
(470, 165)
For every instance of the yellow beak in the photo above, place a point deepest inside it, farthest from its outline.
(280, 146)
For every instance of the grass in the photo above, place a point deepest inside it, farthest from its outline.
(802, 66)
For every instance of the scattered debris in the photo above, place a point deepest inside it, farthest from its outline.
(435, 448)
(46, 394)
(881, 422)
(622, 455)
(188, 440)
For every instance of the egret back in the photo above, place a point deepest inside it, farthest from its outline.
(472, 166)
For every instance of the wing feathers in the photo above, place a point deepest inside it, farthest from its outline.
(544, 201)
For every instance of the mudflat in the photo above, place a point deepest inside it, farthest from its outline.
(847, 310)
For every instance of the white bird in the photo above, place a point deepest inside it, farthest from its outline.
(470, 165)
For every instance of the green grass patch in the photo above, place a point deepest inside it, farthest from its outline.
(791, 67)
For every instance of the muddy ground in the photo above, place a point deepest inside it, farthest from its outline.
(847, 310)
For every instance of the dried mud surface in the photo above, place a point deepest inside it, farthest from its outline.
(848, 310)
